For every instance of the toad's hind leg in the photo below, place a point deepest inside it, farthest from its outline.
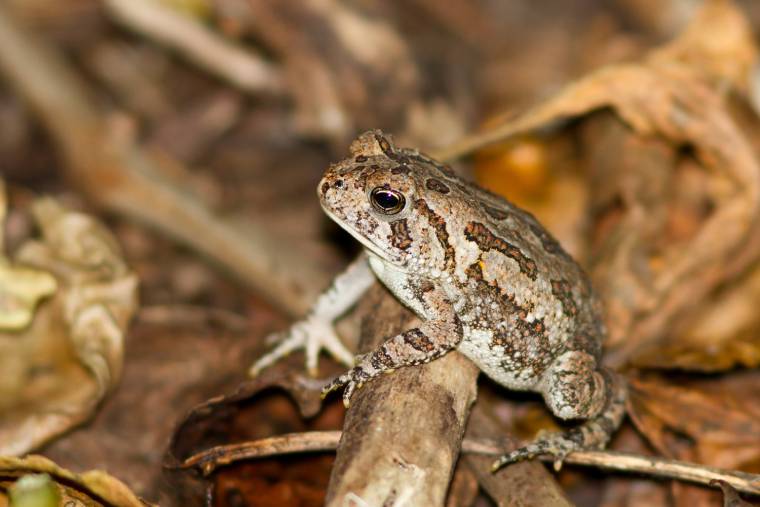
(594, 433)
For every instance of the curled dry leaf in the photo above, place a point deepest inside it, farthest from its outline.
(714, 421)
(675, 193)
(20, 291)
(268, 405)
(54, 372)
(89, 488)
(21, 288)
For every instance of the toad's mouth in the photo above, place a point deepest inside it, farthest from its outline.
(366, 243)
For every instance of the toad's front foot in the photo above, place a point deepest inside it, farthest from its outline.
(311, 334)
(349, 381)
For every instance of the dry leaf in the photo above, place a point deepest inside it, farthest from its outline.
(671, 228)
(54, 372)
(714, 421)
(90, 489)
(21, 289)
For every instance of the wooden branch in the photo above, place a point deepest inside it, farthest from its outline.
(235, 64)
(314, 441)
(402, 434)
(117, 174)
(525, 483)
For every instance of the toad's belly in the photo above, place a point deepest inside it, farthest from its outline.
(514, 364)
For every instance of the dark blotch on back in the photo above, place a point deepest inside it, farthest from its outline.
(550, 244)
(495, 213)
(446, 170)
(385, 145)
(439, 224)
(564, 292)
(487, 240)
(437, 186)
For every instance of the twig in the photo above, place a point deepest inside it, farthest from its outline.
(221, 57)
(315, 441)
(289, 443)
(666, 468)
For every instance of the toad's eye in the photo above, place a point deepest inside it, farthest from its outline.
(387, 201)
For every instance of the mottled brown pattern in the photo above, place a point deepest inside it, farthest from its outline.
(361, 158)
(439, 224)
(385, 145)
(370, 224)
(437, 186)
(550, 244)
(486, 240)
(419, 157)
(401, 169)
(381, 359)
(495, 213)
(418, 340)
(563, 292)
(400, 237)
(474, 272)
(426, 286)
(519, 335)
(362, 176)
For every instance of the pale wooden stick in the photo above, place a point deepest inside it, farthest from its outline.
(390, 452)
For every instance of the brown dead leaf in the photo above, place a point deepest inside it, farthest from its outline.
(21, 289)
(89, 489)
(663, 250)
(269, 405)
(712, 421)
(54, 372)
(725, 335)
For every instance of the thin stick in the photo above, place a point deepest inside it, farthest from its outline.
(314, 441)
(241, 67)
(289, 443)
(3, 211)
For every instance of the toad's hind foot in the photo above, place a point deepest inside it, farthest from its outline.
(591, 435)
(557, 445)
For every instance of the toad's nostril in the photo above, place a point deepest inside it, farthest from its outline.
(339, 184)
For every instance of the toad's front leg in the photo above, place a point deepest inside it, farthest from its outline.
(316, 330)
(440, 333)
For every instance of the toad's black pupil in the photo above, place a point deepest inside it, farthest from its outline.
(387, 201)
